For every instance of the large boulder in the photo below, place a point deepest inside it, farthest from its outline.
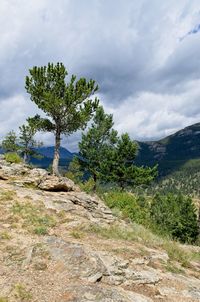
(56, 184)
(35, 176)
(8, 170)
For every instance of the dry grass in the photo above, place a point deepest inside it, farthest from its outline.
(33, 218)
(175, 251)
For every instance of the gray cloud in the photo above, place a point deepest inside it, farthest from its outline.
(147, 75)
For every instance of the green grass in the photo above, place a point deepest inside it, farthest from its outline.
(13, 158)
(34, 218)
(141, 235)
(170, 267)
(22, 293)
(77, 234)
(131, 206)
(41, 230)
(176, 253)
(5, 235)
(7, 195)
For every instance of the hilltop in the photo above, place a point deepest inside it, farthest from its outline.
(173, 151)
(60, 244)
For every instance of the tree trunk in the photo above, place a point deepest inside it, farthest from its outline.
(56, 158)
(95, 182)
(25, 158)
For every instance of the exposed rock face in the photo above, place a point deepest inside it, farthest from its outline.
(69, 262)
(37, 177)
(54, 183)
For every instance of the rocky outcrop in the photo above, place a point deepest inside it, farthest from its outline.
(55, 184)
(37, 177)
(66, 260)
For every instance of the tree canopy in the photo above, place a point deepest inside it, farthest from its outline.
(68, 106)
(10, 143)
(98, 139)
(108, 157)
(27, 143)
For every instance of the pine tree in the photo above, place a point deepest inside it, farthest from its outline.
(120, 167)
(10, 142)
(175, 215)
(96, 143)
(110, 158)
(67, 105)
(27, 142)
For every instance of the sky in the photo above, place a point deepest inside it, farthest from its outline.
(144, 55)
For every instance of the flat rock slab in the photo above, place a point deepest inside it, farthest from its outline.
(74, 260)
(88, 293)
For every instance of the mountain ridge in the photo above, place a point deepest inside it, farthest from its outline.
(171, 152)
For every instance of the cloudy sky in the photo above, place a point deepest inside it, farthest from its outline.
(145, 56)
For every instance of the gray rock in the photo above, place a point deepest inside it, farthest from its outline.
(56, 184)
(86, 293)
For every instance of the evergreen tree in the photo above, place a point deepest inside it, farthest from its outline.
(67, 105)
(108, 157)
(96, 143)
(27, 142)
(175, 215)
(10, 142)
(120, 167)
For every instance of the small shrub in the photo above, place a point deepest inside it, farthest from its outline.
(77, 234)
(41, 230)
(5, 235)
(22, 293)
(13, 158)
(88, 186)
(134, 207)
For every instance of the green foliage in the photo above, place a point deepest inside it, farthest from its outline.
(175, 215)
(108, 157)
(134, 207)
(33, 217)
(22, 293)
(13, 158)
(67, 106)
(74, 171)
(98, 140)
(27, 142)
(88, 185)
(121, 168)
(41, 230)
(9, 143)
(172, 216)
(186, 179)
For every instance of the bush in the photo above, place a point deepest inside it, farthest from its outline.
(175, 215)
(88, 186)
(134, 207)
(172, 216)
(13, 158)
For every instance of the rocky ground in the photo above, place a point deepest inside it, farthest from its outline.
(58, 244)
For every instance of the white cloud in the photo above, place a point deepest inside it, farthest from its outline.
(148, 78)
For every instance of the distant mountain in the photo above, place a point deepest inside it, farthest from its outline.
(47, 156)
(172, 152)
(49, 152)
